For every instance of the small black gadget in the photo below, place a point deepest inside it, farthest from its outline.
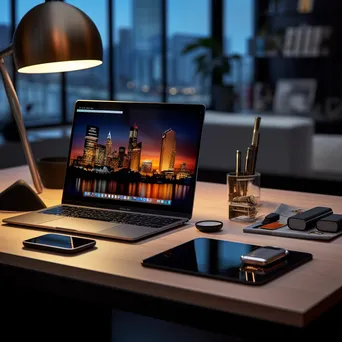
(65, 244)
(331, 223)
(264, 256)
(209, 226)
(308, 218)
(272, 217)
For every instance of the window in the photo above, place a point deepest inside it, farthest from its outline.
(39, 95)
(5, 38)
(238, 28)
(137, 50)
(187, 21)
(90, 83)
(136, 54)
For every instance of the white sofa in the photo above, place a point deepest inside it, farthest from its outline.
(285, 143)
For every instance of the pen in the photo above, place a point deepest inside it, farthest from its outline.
(256, 153)
(238, 163)
(255, 142)
(253, 149)
(247, 170)
(256, 131)
(248, 161)
(238, 171)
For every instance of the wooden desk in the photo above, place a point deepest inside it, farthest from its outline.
(294, 299)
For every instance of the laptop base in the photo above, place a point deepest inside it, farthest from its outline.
(88, 227)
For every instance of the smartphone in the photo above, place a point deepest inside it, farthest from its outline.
(60, 243)
(264, 256)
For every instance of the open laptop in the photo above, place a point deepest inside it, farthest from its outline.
(131, 172)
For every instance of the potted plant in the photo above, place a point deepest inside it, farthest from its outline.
(211, 63)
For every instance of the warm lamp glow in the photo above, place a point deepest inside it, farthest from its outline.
(59, 66)
(52, 37)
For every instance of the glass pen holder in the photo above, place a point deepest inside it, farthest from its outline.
(243, 192)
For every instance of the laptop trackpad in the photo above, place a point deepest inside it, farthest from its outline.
(79, 224)
(127, 231)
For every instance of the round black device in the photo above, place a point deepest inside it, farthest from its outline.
(209, 226)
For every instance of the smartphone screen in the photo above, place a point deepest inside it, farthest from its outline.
(59, 242)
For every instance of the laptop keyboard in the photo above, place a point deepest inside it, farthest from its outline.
(111, 216)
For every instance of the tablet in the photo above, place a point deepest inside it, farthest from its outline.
(221, 260)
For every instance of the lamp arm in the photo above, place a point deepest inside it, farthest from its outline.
(6, 52)
(14, 104)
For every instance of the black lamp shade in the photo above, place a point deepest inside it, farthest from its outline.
(56, 37)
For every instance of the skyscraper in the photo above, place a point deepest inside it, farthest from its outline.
(114, 163)
(147, 23)
(121, 155)
(125, 163)
(132, 139)
(155, 67)
(167, 151)
(135, 157)
(125, 54)
(183, 167)
(90, 143)
(100, 155)
(183, 171)
(146, 166)
(108, 149)
(184, 69)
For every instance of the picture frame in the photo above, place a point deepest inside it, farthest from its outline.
(294, 96)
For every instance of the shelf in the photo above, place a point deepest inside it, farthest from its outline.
(336, 13)
(304, 58)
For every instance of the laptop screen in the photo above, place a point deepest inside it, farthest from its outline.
(134, 155)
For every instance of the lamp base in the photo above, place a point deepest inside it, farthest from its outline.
(20, 197)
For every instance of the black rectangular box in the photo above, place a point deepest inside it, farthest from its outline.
(308, 218)
(331, 223)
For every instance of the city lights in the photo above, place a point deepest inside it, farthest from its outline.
(128, 163)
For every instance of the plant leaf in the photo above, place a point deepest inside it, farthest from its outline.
(200, 43)
(202, 64)
(190, 47)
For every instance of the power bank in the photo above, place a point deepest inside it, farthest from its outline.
(308, 218)
(331, 223)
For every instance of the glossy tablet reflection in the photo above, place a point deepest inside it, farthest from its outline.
(221, 260)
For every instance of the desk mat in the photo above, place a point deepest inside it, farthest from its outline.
(220, 260)
(285, 211)
(285, 231)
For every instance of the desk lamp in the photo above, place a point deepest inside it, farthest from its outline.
(51, 37)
